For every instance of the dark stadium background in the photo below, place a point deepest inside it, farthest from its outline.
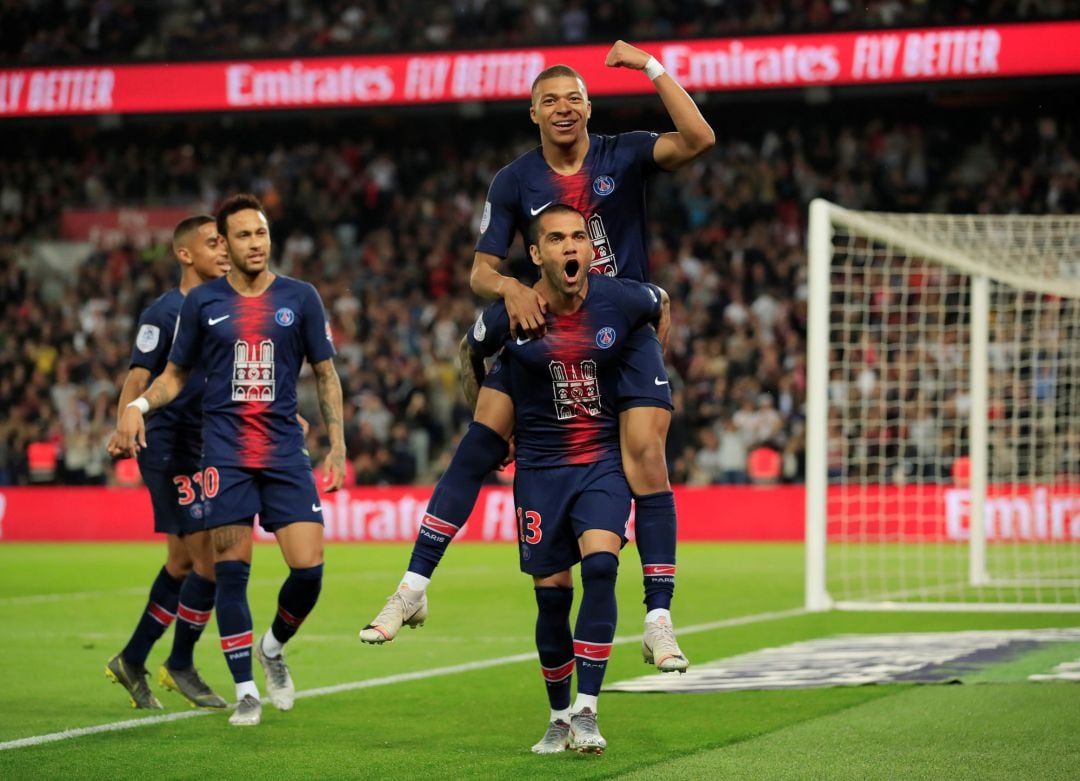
(379, 208)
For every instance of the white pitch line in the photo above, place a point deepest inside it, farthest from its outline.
(338, 577)
(116, 726)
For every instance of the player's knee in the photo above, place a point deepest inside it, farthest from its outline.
(599, 567)
(481, 451)
(646, 471)
(308, 574)
(554, 600)
(178, 564)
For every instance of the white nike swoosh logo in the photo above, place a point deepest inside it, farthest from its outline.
(316, 508)
(533, 212)
(526, 340)
(658, 381)
(216, 320)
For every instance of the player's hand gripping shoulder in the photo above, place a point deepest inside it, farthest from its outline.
(525, 307)
(328, 385)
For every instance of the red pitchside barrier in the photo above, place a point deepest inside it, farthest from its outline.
(918, 513)
(387, 514)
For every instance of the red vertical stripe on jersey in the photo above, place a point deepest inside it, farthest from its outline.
(574, 190)
(572, 340)
(254, 316)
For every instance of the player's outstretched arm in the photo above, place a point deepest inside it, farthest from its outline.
(130, 435)
(328, 386)
(471, 371)
(693, 135)
(136, 382)
(524, 304)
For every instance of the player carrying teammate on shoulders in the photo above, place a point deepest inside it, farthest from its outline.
(604, 177)
(570, 493)
(184, 588)
(252, 331)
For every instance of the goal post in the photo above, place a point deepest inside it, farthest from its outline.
(943, 411)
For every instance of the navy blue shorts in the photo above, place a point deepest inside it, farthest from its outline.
(557, 505)
(643, 378)
(235, 494)
(177, 499)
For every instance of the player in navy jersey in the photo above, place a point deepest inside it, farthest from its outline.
(251, 331)
(604, 177)
(571, 496)
(184, 587)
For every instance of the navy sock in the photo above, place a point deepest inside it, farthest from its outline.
(234, 617)
(555, 643)
(595, 629)
(297, 598)
(480, 452)
(196, 605)
(654, 520)
(159, 613)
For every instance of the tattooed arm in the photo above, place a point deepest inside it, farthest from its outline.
(130, 436)
(329, 389)
(471, 371)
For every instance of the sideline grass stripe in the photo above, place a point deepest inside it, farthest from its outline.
(52, 737)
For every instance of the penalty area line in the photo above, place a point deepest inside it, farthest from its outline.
(454, 669)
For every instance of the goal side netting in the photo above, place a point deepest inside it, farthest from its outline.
(943, 411)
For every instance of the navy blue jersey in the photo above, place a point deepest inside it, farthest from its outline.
(565, 383)
(609, 190)
(174, 433)
(252, 349)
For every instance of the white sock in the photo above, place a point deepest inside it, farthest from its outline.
(657, 614)
(246, 688)
(585, 701)
(563, 715)
(415, 582)
(271, 646)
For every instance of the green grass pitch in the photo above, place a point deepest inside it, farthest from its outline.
(65, 608)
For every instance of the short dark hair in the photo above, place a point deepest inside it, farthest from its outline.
(234, 204)
(187, 225)
(550, 73)
(533, 236)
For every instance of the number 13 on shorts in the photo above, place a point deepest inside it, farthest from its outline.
(529, 526)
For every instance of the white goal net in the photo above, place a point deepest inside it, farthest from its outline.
(943, 411)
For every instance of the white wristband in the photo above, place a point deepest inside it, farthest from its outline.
(653, 69)
(141, 404)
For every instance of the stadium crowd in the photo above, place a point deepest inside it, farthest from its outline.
(388, 241)
(60, 31)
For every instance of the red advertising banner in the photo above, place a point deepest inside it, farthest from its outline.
(110, 227)
(778, 61)
(921, 513)
(386, 514)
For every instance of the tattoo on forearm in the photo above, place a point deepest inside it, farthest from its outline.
(328, 385)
